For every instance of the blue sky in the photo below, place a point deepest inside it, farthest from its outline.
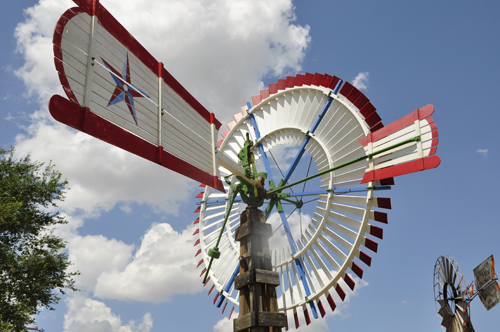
(442, 53)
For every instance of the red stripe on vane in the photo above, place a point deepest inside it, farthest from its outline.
(401, 169)
(198, 252)
(290, 81)
(326, 80)
(200, 195)
(238, 116)
(377, 232)
(357, 270)
(365, 258)
(331, 302)
(376, 127)
(380, 217)
(225, 305)
(354, 94)
(264, 94)
(306, 316)
(296, 319)
(333, 83)
(387, 182)
(196, 221)
(196, 243)
(340, 292)
(346, 89)
(196, 231)
(273, 88)
(308, 79)
(370, 244)
(318, 78)
(372, 120)
(281, 84)
(321, 309)
(367, 110)
(349, 281)
(299, 80)
(256, 100)
(384, 203)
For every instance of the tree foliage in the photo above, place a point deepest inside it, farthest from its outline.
(33, 265)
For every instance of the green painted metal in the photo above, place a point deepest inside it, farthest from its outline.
(214, 253)
(280, 188)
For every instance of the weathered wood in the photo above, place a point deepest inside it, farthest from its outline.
(257, 276)
(259, 319)
(255, 229)
(256, 282)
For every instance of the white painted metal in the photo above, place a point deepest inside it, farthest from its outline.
(91, 56)
(407, 152)
(329, 244)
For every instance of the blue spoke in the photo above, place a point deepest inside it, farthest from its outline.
(313, 129)
(229, 285)
(282, 215)
(298, 263)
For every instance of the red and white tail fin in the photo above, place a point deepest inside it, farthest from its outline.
(418, 130)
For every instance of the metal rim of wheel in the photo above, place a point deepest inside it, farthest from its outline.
(331, 243)
(450, 291)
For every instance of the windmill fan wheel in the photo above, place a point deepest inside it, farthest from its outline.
(451, 296)
(330, 233)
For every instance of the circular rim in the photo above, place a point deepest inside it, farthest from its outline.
(327, 248)
(449, 292)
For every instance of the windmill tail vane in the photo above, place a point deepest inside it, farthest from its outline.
(410, 143)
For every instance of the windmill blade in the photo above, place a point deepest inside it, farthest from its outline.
(119, 93)
(405, 146)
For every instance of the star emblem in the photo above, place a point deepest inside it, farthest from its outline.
(124, 90)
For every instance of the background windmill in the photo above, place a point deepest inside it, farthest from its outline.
(453, 296)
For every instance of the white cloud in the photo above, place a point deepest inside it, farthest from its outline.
(361, 81)
(94, 254)
(162, 267)
(484, 152)
(85, 314)
(99, 174)
(224, 325)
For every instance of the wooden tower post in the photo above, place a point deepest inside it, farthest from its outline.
(256, 281)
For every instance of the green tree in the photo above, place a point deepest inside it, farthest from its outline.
(33, 265)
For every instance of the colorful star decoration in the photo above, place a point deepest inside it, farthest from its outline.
(124, 91)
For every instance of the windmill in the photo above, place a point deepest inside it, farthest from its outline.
(119, 93)
(452, 296)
